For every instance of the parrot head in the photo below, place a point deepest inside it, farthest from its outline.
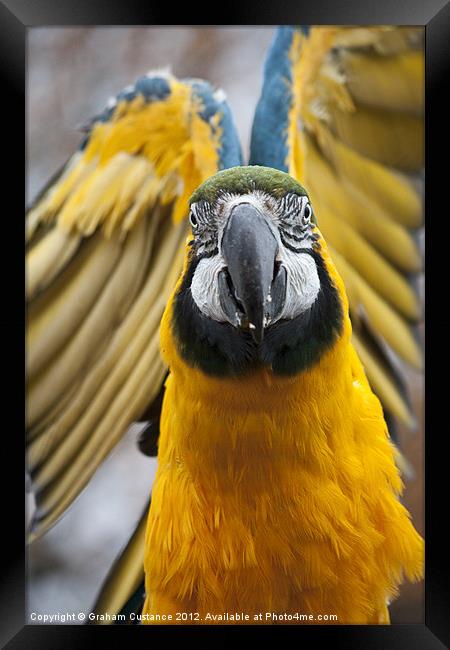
(255, 290)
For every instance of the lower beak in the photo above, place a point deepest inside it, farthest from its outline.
(255, 285)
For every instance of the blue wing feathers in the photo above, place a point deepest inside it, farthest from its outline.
(230, 154)
(157, 88)
(269, 145)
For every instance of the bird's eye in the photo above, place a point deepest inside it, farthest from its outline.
(307, 213)
(193, 219)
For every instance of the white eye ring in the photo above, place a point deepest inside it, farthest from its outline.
(193, 219)
(307, 212)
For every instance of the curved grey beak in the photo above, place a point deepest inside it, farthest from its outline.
(255, 285)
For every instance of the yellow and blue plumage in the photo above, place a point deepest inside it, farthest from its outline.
(105, 246)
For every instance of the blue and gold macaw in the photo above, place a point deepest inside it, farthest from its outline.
(341, 110)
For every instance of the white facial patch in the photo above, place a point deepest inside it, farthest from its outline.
(205, 287)
(303, 284)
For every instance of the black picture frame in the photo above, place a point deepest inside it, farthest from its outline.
(16, 17)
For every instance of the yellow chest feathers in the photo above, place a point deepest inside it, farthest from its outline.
(277, 494)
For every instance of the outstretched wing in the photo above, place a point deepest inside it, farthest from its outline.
(342, 110)
(105, 242)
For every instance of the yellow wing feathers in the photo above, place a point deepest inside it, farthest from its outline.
(105, 245)
(145, 153)
(356, 141)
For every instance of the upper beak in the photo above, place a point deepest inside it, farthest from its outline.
(255, 288)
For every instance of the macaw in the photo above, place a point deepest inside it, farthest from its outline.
(277, 486)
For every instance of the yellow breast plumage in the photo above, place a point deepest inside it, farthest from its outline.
(276, 494)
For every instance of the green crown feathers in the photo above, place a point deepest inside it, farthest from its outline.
(241, 180)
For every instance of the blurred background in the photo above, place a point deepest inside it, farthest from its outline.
(71, 73)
